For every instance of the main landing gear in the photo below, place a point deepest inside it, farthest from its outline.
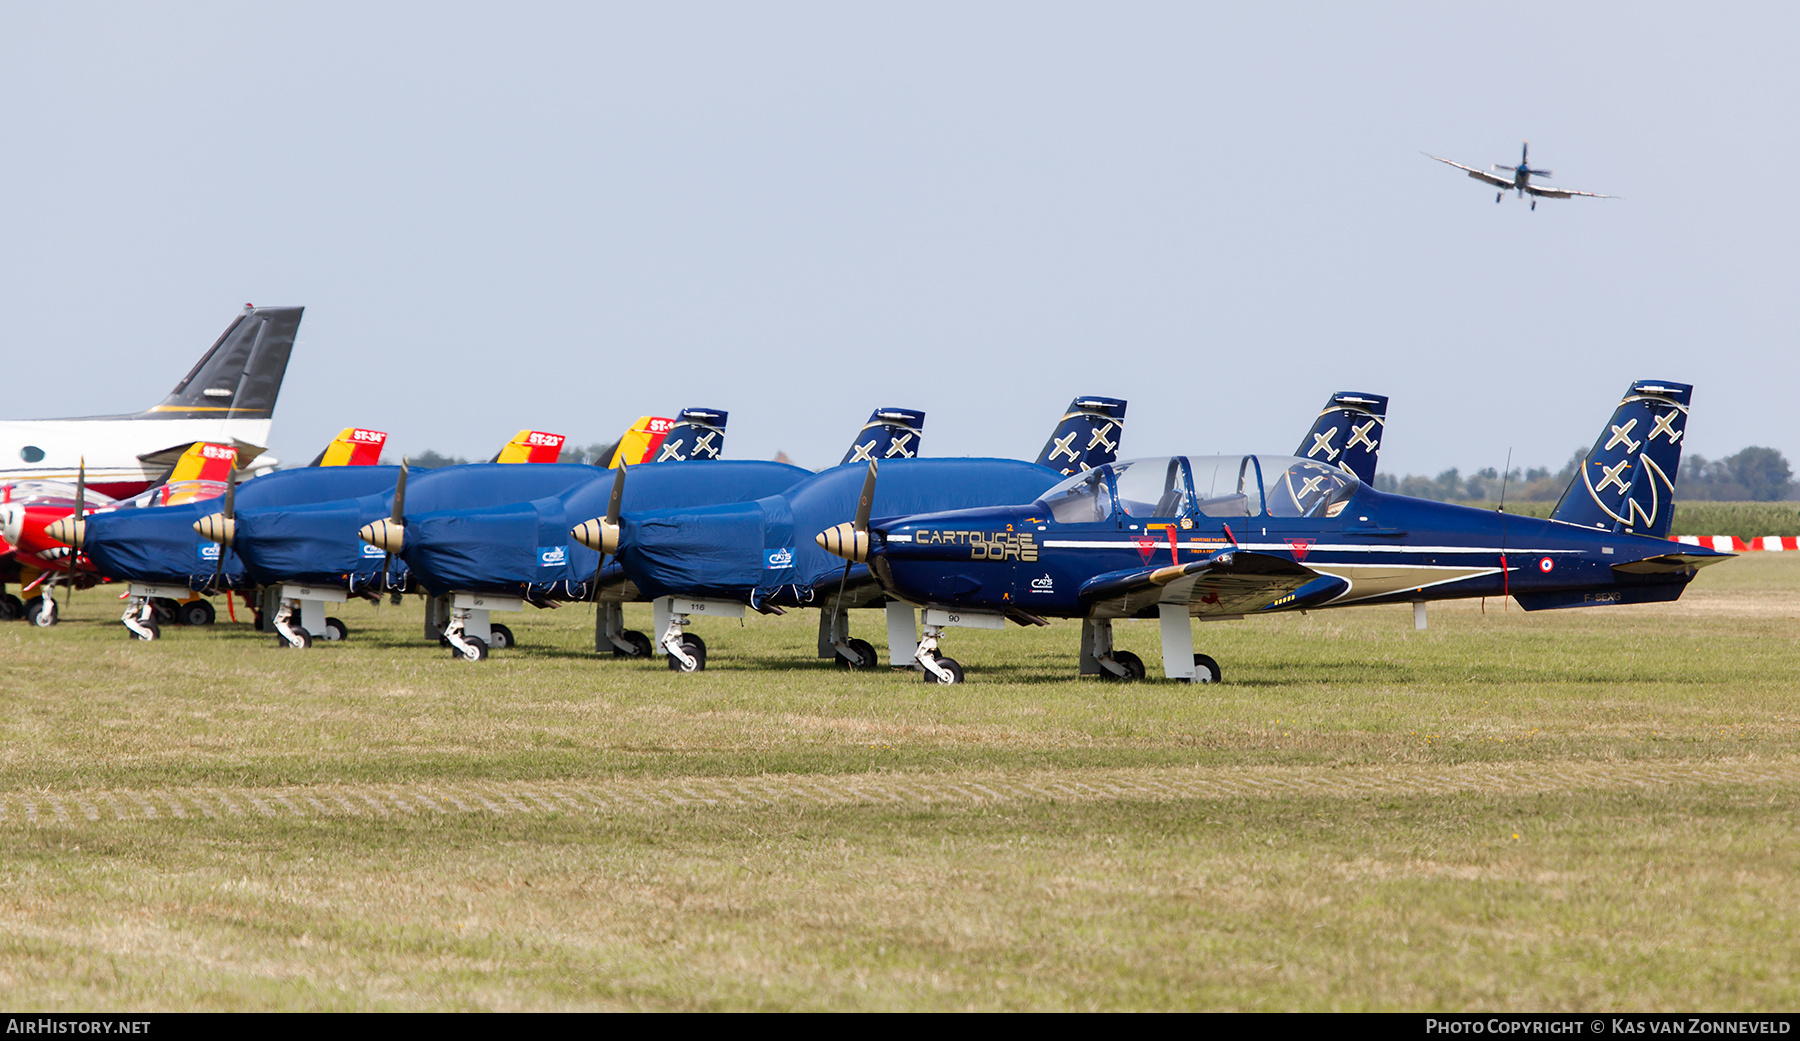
(611, 634)
(836, 643)
(1099, 658)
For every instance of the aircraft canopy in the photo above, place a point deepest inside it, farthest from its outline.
(1219, 486)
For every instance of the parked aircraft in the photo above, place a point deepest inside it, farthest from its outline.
(227, 398)
(483, 558)
(1518, 179)
(1178, 538)
(716, 561)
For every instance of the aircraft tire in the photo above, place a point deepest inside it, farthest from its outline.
(35, 611)
(1206, 670)
(11, 608)
(502, 638)
(1134, 667)
(478, 650)
(335, 629)
(864, 656)
(640, 645)
(696, 649)
(949, 665)
(166, 611)
(197, 612)
(302, 639)
(152, 631)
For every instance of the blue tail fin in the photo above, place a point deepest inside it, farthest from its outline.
(1088, 436)
(699, 433)
(890, 433)
(1628, 481)
(1348, 433)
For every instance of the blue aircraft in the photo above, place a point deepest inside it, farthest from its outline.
(481, 557)
(307, 556)
(162, 554)
(1178, 538)
(716, 560)
(1518, 179)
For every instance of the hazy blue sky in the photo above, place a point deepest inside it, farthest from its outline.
(563, 216)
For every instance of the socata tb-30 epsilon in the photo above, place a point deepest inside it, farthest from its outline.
(1179, 538)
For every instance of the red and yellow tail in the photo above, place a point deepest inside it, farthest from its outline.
(205, 461)
(531, 446)
(640, 442)
(353, 446)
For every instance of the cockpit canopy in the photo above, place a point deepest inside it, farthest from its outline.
(1216, 486)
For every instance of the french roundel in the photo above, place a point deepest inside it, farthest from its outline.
(1546, 565)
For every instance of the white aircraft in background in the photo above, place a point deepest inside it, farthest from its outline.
(1518, 178)
(227, 398)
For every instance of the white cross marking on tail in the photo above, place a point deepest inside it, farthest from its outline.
(671, 450)
(1612, 476)
(703, 443)
(1311, 486)
(1359, 435)
(898, 448)
(861, 453)
(1099, 438)
(1622, 434)
(1666, 425)
(1322, 442)
(1063, 446)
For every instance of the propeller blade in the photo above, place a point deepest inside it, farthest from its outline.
(387, 561)
(612, 519)
(867, 501)
(618, 493)
(230, 515)
(80, 517)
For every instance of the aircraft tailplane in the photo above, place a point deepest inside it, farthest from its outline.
(205, 461)
(1627, 483)
(639, 442)
(890, 433)
(353, 446)
(530, 446)
(1348, 433)
(1087, 436)
(698, 433)
(240, 376)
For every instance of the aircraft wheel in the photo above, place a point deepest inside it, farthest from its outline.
(948, 665)
(501, 638)
(335, 629)
(256, 621)
(197, 612)
(1134, 666)
(165, 611)
(11, 608)
(301, 641)
(862, 656)
(641, 646)
(1206, 670)
(478, 650)
(696, 649)
(41, 611)
(152, 631)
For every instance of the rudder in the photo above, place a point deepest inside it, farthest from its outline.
(1627, 482)
(1348, 433)
(1087, 436)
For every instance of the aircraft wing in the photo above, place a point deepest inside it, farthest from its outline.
(1229, 582)
(1547, 192)
(1480, 175)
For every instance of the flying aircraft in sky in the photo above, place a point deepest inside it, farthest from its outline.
(718, 560)
(1179, 538)
(1518, 179)
(227, 398)
(480, 558)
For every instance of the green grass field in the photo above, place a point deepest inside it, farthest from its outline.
(1564, 810)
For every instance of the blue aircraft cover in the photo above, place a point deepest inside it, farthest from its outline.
(320, 544)
(525, 547)
(763, 552)
(160, 544)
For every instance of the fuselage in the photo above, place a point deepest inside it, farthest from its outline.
(111, 447)
(1365, 546)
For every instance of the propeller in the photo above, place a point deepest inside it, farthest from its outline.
(80, 533)
(611, 518)
(230, 520)
(850, 540)
(602, 533)
(389, 535)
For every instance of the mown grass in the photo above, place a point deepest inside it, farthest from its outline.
(1676, 898)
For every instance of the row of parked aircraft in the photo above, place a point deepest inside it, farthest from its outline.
(1077, 533)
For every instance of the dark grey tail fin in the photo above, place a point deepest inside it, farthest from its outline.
(1086, 437)
(890, 433)
(240, 376)
(1348, 433)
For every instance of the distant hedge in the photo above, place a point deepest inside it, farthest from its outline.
(1746, 520)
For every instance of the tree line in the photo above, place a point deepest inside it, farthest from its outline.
(1754, 474)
